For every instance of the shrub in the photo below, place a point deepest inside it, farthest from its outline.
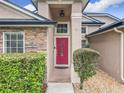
(22, 73)
(84, 63)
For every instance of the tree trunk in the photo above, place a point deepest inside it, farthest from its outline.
(81, 83)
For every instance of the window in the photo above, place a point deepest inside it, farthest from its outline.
(62, 28)
(13, 42)
(83, 30)
(83, 43)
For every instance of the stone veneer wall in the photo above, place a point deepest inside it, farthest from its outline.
(35, 38)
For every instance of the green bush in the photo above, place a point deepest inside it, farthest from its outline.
(22, 73)
(84, 63)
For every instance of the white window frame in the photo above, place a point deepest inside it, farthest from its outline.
(68, 28)
(13, 32)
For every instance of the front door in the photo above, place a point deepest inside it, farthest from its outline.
(62, 51)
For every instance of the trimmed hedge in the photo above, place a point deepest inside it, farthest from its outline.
(85, 60)
(22, 73)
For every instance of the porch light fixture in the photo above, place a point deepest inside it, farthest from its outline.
(62, 14)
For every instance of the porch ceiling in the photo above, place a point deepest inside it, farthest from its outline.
(55, 12)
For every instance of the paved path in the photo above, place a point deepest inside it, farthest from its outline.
(60, 75)
(60, 88)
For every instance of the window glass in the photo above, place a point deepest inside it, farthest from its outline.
(20, 50)
(83, 30)
(13, 42)
(62, 28)
(83, 42)
(20, 43)
(7, 37)
(13, 36)
(20, 36)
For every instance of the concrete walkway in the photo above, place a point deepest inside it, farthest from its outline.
(60, 88)
(60, 75)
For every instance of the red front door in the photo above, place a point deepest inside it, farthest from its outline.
(61, 51)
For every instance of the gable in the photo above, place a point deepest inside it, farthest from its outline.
(108, 20)
(86, 18)
(11, 13)
(104, 17)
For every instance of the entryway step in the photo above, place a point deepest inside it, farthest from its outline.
(60, 88)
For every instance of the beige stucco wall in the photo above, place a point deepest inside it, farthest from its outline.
(43, 9)
(76, 19)
(108, 44)
(92, 28)
(35, 38)
(7, 12)
(50, 47)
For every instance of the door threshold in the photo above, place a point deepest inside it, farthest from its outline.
(61, 67)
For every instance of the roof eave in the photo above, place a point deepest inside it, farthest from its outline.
(106, 29)
(93, 23)
(86, 3)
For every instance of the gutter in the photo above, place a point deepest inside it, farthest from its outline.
(85, 5)
(44, 25)
(122, 53)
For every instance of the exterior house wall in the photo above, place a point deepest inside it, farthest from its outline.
(50, 56)
(122, 29)
(89, 27)
(35, 38)
(7, 12)
(92, 28)
(43, 9)
(108, 44)
(84, 19)
(76, 25)
(106, 19)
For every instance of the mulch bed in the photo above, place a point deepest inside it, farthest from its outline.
(100, 83)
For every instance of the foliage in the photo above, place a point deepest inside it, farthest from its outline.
(84, 63)
(22, 73)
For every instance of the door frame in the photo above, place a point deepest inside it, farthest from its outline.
(62, 35)
(56, 65)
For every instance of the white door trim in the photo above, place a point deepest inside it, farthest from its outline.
(62, 35)
(64, 65)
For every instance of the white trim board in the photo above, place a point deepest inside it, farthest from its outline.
(27, 25)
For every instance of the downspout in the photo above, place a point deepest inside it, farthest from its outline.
(122, 52)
